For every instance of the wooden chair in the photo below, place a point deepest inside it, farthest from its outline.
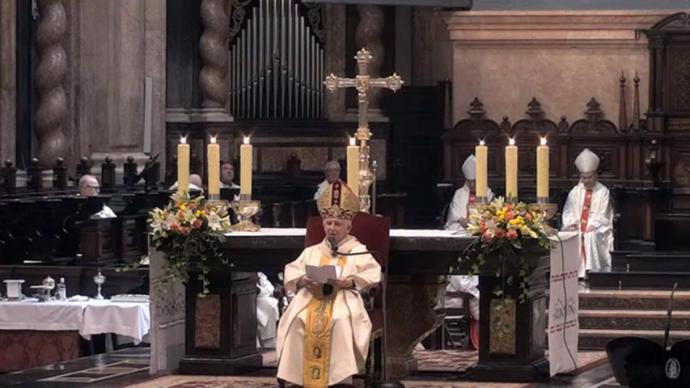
(374, 232)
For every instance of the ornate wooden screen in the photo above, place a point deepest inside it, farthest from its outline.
(276, 60)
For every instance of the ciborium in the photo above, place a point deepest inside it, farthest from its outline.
(245, 210)
(548, 211)
(99, 279)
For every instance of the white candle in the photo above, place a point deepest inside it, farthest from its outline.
(511, 170)
(543, 169)
(183, 166)
(246, 167)
(213, 156)
(353, 166)
(480, 153)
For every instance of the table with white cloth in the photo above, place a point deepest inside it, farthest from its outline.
(36, 333)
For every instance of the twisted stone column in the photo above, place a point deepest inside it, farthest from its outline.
(214, 54)
(368, 35)
(50, 77)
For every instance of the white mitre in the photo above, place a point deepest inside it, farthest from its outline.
(469, 168)
(587, 161)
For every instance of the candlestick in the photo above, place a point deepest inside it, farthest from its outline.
(246, 168)
(183, 166)
(213, 156)
(481, 184)
(353, 165)
(511, 170)
(543, 169)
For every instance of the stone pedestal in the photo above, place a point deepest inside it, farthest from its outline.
(512, 335)
(220, 332)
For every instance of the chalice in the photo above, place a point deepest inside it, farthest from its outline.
(245, 210)
(99, 280)
(548, 210)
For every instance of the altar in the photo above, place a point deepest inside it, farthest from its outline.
(418, 261)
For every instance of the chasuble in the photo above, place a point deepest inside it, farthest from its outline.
(323, 340)
(591, 212)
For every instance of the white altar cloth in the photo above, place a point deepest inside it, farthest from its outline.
(87, 317)
(123, 318)
(267, 232)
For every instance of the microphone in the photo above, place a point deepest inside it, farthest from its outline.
(333, 245)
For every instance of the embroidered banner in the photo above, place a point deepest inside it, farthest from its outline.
(563, 302)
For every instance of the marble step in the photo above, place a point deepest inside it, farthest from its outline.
(652, 261)
(592, 339)
(656, 280)
(655, 300)
(633, 320)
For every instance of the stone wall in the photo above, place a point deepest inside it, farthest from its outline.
(563, 58)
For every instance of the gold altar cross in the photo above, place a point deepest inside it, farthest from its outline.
(363, 82)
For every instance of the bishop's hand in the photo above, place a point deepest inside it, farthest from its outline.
(306, 282)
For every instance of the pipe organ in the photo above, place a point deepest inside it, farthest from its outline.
(277, 62)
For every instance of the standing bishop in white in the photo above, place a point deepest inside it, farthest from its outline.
(588, 210)
(323, 337)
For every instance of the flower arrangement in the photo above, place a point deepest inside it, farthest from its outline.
(507, 232)
(190, 232)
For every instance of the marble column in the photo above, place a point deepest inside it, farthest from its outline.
(50, 77)
(8, 86)
(368, 35)
(213, 50)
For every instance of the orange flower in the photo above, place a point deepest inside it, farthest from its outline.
(510, 215)
(512, 234)
(528, 216)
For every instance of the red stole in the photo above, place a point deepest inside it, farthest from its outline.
(584, 220)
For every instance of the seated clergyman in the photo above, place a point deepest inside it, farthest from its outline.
(588, 211)
(331, 173)
(458, 211)
(89, 187)
(323, 337)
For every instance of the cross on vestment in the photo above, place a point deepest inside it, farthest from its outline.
(363, 82)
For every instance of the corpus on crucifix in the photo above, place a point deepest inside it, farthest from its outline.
(363, 82)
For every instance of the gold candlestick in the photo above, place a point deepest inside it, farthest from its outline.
(245, 210)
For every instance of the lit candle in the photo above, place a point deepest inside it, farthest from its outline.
(480, 153)
(246, 168)
(511, 170)
(183, 166)
(543, 169)
(213, 155)
(353, 166)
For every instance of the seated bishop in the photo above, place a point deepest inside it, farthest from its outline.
(458, 212)
(588, 211)
(323, 336)
(458, 217)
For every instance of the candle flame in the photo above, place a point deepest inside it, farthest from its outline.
(481, 142)
(246, 140)
(542, 141)
(183, 139)
(511, 141)
(213, 139)
(353, 141)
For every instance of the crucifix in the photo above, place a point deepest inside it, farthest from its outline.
(363, 82)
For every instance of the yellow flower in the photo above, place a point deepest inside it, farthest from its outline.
(199, 213)
(183, 207)
(518, 221)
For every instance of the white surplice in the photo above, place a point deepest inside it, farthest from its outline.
(458, 207)
(267, 313)
(598, 239)
(320, 189)
(350, 320)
